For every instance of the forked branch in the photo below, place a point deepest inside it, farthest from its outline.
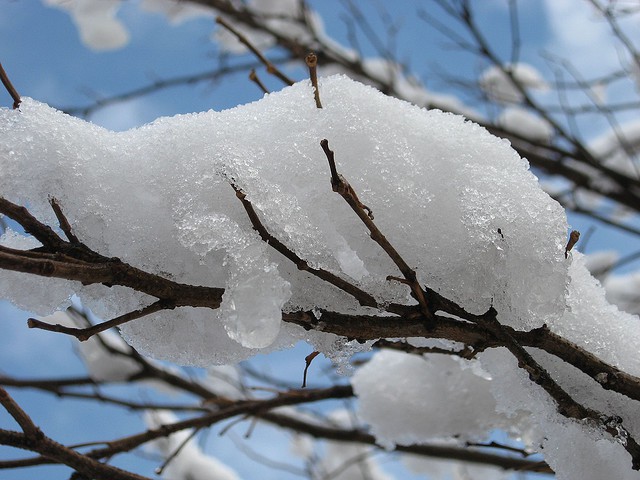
(340, 185)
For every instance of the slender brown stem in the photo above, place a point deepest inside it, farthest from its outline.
(20, 416)
(312, 62)
(83, 334)
(65, 226)
(271, 68)
(346, 191)
(364, 298)
(253, 76)
(307, 360)
(10, 88)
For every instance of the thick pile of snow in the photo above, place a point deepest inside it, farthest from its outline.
(458, 203)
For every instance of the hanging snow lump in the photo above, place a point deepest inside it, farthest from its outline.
(458, 204)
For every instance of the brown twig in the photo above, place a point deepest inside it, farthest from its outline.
(10, 88)
(84, 334)
(574, 236)
(363, 298)
(312, 62)
(340, 185)
(65, 226)
(271, 68)
(62, 259)
(307, 360)
(253, 76)
(20, 416)
(176, 451)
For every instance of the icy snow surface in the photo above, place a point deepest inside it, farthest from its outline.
(458, 203)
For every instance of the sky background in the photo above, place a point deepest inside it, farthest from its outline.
(41, 50)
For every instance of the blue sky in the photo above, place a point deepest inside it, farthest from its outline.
(41, 50)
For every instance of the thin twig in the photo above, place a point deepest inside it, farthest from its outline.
(364, 298)
(307, 360)
(65, 226)
(10, 88)
(177, 450)
(312, 62)
(573, 239)
(20, 416)
(83, 334)
(271, 68)
(253, 76)
(340, 185)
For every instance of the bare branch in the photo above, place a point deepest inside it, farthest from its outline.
(10, 88)
(271, 68)
(340, 185)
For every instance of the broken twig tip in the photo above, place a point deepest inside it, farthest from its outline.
(574, 236)
(10, 88)
(307, 360)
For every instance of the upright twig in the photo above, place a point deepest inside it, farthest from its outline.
(65, 226)
(312, 62)
(10, 88)
(253, 76)
(340, 185)
(307, 361)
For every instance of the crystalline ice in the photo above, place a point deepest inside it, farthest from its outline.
(456, 202)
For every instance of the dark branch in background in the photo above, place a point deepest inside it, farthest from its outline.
(569, 163)
(253, 76)
(281, 420)
(33, 439)
(83, 334)
(158, 85)
(10, 88)
(271, 68)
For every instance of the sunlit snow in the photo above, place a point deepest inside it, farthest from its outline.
(456, 202)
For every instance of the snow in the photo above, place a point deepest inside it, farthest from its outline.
(526, 124)
(438, 185)
(618, 148)
(593, 323)
(498, 86)
(340, 460)
(452, 396)
(176, 11)
(456, 202)
(190, 462)
(96, 22)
